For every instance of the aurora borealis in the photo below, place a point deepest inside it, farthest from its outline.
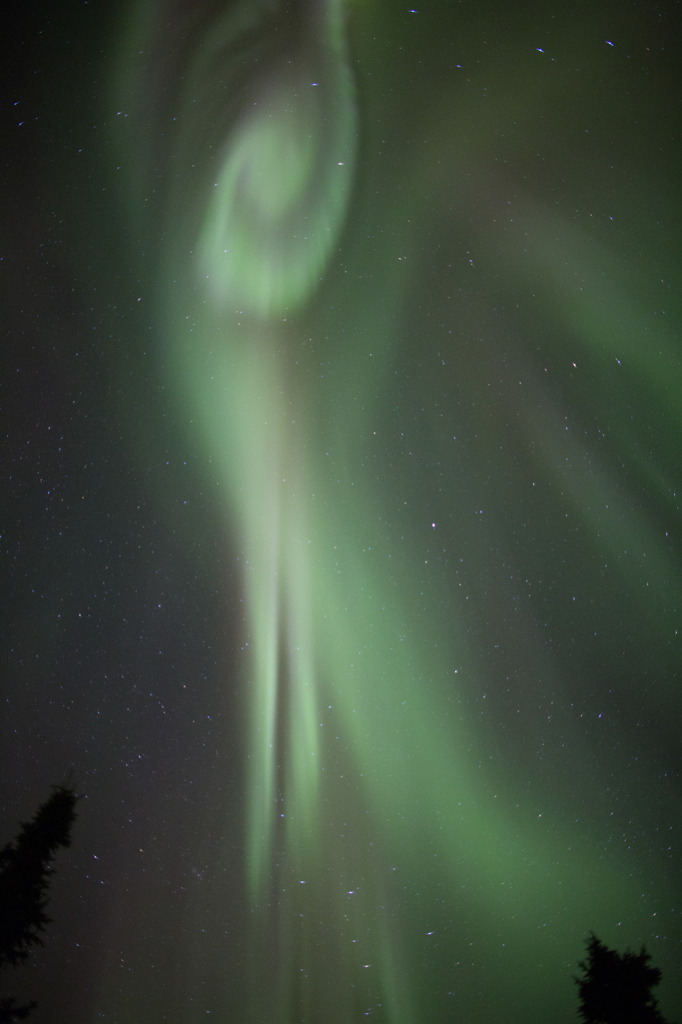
(342, 383)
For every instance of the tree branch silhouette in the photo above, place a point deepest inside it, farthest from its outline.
(615, 988)
(25, 872)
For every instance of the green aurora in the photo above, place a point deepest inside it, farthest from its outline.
(425, 403)
(413, 282)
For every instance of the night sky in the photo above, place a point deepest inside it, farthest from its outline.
(341, 389)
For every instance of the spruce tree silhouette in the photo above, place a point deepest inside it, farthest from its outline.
(25, 870)
(616, 989)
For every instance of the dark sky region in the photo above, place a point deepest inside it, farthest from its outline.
(341, 397)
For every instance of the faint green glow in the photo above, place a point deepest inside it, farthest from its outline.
(335, 662)
(368, 792)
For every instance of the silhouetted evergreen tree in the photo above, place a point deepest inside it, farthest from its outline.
(616, 989)
(25, 870)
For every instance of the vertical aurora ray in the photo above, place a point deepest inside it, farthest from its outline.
(374, 821)
(277, 210)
